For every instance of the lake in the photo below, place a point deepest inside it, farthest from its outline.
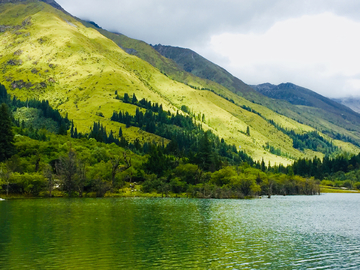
(292, 232)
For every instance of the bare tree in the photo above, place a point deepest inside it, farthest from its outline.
(72, 173)
(50, 177)
(80, 180)
(116, 168)
(5, 174)
(271, 183)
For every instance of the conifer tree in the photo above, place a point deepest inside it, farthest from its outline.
(7, 148)
(134, 99)
(3, 94)
(126, 98)
(248, 131)
(263, 167)
(205, 154)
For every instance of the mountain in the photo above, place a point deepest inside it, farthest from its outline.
(186, 66)
(298, 95)
(82, 70)
(328, 115)
(351, 102)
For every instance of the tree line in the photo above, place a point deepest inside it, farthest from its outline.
(43, 105)
(194, 162)
(321, 169)
(187, 138)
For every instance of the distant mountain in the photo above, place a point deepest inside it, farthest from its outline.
(197, 65)
(298, 95)
(351, 102)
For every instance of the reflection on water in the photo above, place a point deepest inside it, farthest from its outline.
(319, 232)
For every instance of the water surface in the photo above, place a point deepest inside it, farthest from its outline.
(292, 232)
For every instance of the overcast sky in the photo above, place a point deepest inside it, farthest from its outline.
(312, 43)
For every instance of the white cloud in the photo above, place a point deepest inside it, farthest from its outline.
(320, 52)
(308, 42)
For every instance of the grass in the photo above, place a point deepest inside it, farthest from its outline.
(327, 189)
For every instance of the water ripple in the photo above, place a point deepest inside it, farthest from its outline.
(319, 232)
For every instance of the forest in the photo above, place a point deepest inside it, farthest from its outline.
(54, 159)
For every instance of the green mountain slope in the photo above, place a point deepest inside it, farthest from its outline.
(327, 118)
(182, 64)
(48, 54)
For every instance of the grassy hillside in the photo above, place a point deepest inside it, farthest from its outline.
(48, 54)
(327, 111)
(183, 64)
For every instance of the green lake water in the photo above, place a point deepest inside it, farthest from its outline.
(292, 232)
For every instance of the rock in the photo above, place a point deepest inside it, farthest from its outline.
(26, 22)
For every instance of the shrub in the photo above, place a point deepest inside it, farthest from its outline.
(177, 186)
(347, 184)
(357, 185)
(327, 183)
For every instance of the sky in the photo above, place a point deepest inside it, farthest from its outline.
(311, 43)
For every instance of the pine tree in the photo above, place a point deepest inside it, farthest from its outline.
(248, 131)
(72, 129)
(134, 99)
(62, 129)
(3, 94)
(7, 148)
(263, 167)
(205, 154)
(126, 98)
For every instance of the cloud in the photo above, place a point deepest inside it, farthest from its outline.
(318, 51)
(317, 58)
(187, 22)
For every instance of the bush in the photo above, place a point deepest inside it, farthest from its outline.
(147, 186)
(347, 184)
(177, 186)
(338, 184)
(30, 184)
(327, 183)
(357, 185)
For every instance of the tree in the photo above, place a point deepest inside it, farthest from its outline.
(50, 179)
(248, 131)
(5, 174)
(71, 172)
(62, 129)
(205, 155)
(116, 168)
(134, 99)
(126, 98)
(7, 148)
(3, 94)
(263, 167)
(157, 162)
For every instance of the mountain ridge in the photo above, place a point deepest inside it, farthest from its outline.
(329, 113)
(351, 102)
(81, 72)
(298, 95)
